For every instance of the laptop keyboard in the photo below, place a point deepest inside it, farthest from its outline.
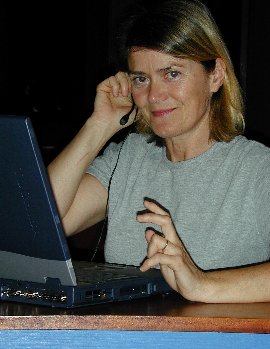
(88, 272)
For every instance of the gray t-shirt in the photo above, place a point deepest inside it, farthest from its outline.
(219, 200)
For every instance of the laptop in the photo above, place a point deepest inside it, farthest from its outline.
(35, 260)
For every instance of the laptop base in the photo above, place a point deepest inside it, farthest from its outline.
(53, 294)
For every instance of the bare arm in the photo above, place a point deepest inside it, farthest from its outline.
(241, 285)
(237, 285)
(80, 197)
(74, 190)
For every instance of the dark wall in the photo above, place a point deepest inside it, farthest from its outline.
(3, 50)
(258, 71)
(54, 53)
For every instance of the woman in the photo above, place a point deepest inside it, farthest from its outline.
(188, 180)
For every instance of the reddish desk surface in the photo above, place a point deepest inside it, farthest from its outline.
(160, 313)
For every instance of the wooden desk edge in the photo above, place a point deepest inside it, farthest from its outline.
(135, 323)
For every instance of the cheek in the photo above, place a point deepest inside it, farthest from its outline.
(199, 93)
(182, 91)
(204, 97)
(140, 97)
(203, 89)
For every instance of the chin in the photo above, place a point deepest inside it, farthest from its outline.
(163, 127)
(164, 132)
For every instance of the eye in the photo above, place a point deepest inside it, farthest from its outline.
(139, 80)
(173, 75)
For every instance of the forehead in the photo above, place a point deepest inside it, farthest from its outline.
(144, 59)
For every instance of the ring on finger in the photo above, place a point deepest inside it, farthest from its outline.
(166, 244)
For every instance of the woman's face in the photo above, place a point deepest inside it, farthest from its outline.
(173, 94)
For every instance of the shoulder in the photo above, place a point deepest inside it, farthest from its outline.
(249, 155)
(252, 149)
(245, 148)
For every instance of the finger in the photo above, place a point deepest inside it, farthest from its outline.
(114, 85)
(165, 262)
(119, 85)
(154, 212)
(149, 233)
(156, 236)
(161, 259)
(158, 244)
(164, 221)
(152, 206)
(125, 84)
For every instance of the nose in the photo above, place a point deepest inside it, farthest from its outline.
(157, 92)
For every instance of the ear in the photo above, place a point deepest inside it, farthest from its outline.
(218, 75)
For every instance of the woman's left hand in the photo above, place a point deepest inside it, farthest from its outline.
(168, 250)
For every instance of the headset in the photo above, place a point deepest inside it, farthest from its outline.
(124, 119)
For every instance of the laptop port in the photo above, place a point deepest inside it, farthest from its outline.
(98, 295)
(133, 291)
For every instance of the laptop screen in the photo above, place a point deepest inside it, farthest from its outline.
(26, 203)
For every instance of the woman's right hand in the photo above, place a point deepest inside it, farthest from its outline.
(113, 101)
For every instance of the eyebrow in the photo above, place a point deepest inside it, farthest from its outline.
(130, 72)
(165, 69)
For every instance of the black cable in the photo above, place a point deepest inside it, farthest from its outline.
(123, 121)
(107, 203)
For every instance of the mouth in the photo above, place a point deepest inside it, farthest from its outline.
(162, 112)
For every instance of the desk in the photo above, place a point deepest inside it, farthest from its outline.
(158, 315)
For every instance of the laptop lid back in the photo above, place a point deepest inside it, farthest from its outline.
(30, 227)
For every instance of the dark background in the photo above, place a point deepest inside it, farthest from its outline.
(54, 53)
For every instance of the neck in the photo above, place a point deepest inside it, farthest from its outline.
(181, 150)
